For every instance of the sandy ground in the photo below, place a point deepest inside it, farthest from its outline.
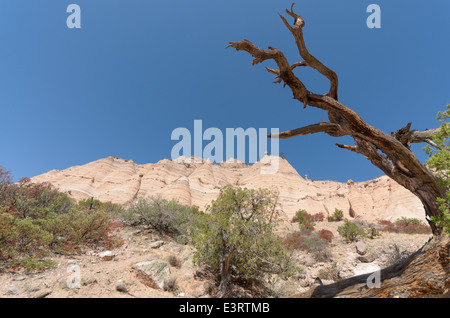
(115, 278)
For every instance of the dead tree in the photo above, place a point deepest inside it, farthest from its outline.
(389, 152)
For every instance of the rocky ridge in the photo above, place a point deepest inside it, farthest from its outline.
(194, 181)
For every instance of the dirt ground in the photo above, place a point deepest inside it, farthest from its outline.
(91, 276)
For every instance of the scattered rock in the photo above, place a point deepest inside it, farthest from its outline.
(156, 244)
(89, 281)
(121, 288)
(43, 294)
(106, 255)
(19, 279)
(368, 258)
(153, 273)
(12, 290)
(361, 248)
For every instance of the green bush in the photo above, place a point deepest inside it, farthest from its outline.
(439, 161)
(304, 219)
(238, 237)
(166, 217)
(373, 232)
(350, 231)
(338, 215)
(36, 219)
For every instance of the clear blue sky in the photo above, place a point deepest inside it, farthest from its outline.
(138, 69)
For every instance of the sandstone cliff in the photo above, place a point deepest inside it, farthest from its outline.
(197, 182)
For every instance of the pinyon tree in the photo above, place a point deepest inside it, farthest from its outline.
(238, 237)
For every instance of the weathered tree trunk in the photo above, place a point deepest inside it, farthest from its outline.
(224, 290)
(390, 153)
(424, 274)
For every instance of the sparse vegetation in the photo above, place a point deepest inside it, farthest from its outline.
(171, 285)
(174, 261)
(304, 219)
(36, 219)
(166, 217)
(350, 231)
(338, 215)
(309, 241)
(439, 160)
(405, 225)
(238, 237)
(330, 273)
(373, 232)
(326, 235)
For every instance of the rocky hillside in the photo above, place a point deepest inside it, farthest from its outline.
(194, 181)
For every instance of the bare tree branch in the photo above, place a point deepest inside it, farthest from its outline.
(329, 128)
(390, 153)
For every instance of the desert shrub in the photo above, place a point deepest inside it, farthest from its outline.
(405, 225)
(439, 161)
(373, 232)
(309, 241)
(174, 261)
(330, 273)
(350, 231)
(171, 284)
(166, 217)
(238, 236)
(326, 235)
(294, 240)
(318, 217)
(317, 247)
(337, 215)
(304, 219)
(387, 226)
(36, 219)
(31, 264)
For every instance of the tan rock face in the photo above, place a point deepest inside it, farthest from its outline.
(198, 182)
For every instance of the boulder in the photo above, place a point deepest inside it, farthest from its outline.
(156, 244)
(153, 273)
(367, 258)
(106, 255)
(12, 290)
(361, 248)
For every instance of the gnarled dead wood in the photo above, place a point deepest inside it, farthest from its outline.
(427, 272)
(385, 151)
(424, 274)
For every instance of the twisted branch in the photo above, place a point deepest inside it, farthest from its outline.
(390, 153)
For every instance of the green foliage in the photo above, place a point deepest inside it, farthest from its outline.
(166, 217)
(32, 264)
(240, 230)
(373, 232)
(338, 215)
(36, 219)
(439, 161)
(304, 219)
(350, 231)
